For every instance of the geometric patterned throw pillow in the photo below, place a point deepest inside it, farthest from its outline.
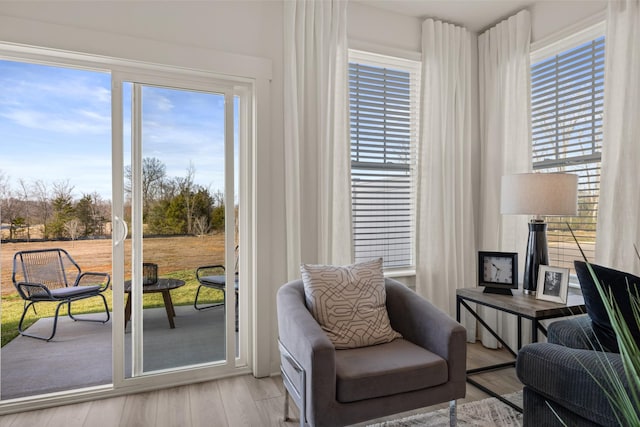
(349, 303)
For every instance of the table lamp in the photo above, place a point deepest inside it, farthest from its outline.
(538, 194)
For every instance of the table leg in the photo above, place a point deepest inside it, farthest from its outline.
(488, 328)
(127, 310)
(168, 305)
(459, 302)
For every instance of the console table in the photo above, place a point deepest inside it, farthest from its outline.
(523, 307)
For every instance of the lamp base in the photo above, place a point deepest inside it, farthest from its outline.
(537, 253)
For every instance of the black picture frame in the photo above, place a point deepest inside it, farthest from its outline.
(503, 274)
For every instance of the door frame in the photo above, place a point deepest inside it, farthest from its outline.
(250, 74)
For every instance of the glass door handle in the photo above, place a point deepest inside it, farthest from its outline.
(123, 227)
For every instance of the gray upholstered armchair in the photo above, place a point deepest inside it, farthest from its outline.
(338, 387)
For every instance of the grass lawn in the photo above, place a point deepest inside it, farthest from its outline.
(12, 305)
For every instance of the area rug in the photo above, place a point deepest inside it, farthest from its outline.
(479, 413)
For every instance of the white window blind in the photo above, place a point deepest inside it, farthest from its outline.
(383, 94)
(567, 94)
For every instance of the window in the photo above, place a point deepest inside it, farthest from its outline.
(384, 100)
(567, 91)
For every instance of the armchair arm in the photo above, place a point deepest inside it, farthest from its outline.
(424, 324)
(572, 378)
(31, 291)
(204, 270)
(307, 344)
(575, 332)
(91, 278)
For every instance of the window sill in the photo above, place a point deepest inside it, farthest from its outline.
(393, 273)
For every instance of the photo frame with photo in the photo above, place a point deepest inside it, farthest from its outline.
(553, 284)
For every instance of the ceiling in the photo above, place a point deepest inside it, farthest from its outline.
(475, 15)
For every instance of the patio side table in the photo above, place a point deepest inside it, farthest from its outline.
(164, 286)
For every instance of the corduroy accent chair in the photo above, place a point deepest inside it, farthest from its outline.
(333, 387)
(562, 374)
(568, 372)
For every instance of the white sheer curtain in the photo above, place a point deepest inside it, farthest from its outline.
(316, 131)
(505, 138)
(619, 206)
(445, 208)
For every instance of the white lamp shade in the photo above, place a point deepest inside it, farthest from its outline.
(544, 194)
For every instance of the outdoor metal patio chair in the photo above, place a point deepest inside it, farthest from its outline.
(51, 275)
(213, 277)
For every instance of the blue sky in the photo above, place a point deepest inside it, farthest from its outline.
(55, 125)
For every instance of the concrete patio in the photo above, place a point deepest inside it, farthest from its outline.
(80, 353)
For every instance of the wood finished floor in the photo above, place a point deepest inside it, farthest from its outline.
(238, 401)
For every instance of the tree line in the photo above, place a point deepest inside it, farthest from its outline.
(171, 205)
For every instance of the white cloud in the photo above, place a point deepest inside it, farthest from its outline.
(157, 102)
(75, 122)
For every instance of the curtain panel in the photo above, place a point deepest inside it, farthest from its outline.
(445, 201)
(618, 227)
(505, 138)
(316, 132)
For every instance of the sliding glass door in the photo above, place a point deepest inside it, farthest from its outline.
(180, 152)
(136, 177)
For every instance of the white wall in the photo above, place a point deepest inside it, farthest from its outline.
(183, 33)
(389, 29)
(244, 27)
(379, 28)
(549, 17)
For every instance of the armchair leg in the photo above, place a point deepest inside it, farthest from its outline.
(453, 416)
(55, 318)
(32, 306)
(195, 302)
(53, 330)
(286, 405)
(76, 319)
(298, 388)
